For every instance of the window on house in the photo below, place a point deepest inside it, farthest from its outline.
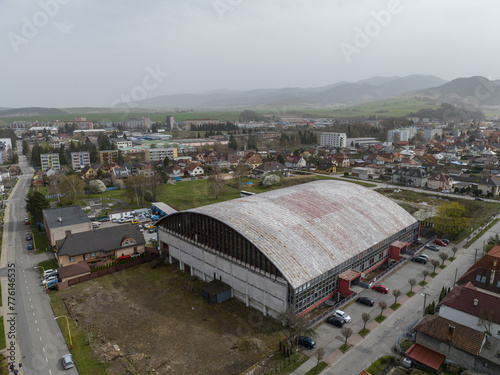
(71, 259)
(92, 254)
(483, 279)
(478, 278)
(84, 256)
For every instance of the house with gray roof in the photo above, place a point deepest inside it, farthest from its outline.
(100, 246)
(409, 176)
(62, 221)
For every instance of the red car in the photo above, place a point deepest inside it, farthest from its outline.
(381, 289)
(437, 241)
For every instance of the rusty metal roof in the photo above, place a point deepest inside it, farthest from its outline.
(308, 229)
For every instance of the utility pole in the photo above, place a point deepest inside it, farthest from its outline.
(425, 301)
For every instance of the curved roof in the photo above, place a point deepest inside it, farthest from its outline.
(308, 229)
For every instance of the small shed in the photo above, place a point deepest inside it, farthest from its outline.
(216, 291)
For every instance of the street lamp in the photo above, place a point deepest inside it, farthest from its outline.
(423, 294)
(44, 279)
(69, 332)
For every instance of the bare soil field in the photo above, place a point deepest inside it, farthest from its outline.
(144, 320)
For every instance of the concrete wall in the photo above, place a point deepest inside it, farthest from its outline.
(60, 232)
(254, 288)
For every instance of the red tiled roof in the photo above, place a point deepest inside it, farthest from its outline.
(461, 337)
(425, 356)
(463, 298)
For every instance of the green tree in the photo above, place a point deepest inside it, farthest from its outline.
(166, 161)
(451, 218)
(72, 187)
(35, 204)
(233, 144)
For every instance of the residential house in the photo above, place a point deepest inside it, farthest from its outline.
(119, 173)
(253, 161)
(73, 271)
(174, 171)
(466, 305)
(342, 160)
(327, 166)
(364, 173)
(440, 181)
(409, 176)
(295, 162)
(489, 186)
(270, 167)
(100, 246)
(121, 143)
(233, 159)
(14, 170)
(37, 178)
(88, 172)
(4, 173)
(194, 170)
(457, 342)
(63, 221)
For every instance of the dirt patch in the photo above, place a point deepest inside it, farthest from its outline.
(156, 320)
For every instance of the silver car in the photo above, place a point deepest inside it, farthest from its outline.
(67, 361)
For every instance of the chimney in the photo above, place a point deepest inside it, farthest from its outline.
(59, 219)
(451, 333)
(476, 301)
(492, 278)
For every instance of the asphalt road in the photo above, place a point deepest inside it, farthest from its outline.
(39, 343)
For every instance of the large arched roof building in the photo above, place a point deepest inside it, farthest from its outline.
(286, 248)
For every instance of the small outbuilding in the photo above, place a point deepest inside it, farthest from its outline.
(216, 291)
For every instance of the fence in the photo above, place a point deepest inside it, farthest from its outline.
(331, 310)
(389, 269)
(107, 271)
(408, 335)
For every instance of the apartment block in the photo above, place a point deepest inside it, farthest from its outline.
(80, 160)
(108, 156)
(333, 140)
(159, 154)
(50, 161)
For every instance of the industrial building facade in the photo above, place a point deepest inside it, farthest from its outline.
(286, 249)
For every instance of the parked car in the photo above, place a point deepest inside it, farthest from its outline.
(49, 280)
(30, 246)
(28, 237)
(95, 224)
(365, 301)
(135, 255)
(342, 315)
(104, 219)
(336, 321)
(52, 286)
(48, 271)
(120, 221)
(153, 239)
(419, 260)
(381, 288)
(479, 199)
(418, 241)
(423, 256)
(123, 257)
(307, 342)
(26, 221)
(432, 247)
(67, 361)
(445, 240)
(151, 230)
(437, 241)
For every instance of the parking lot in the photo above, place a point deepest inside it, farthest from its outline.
(148, 236)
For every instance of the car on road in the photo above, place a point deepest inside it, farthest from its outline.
(153, 239)
(151, 230)
(437, 241)
(26, 221)
(432, 247)
(67, 361)
(336, 321)
(423, 256)
(342, 315)
(365, 301)
(30, 246)
(419, 260)
(381, 288)
(28, 237)
(307, 342)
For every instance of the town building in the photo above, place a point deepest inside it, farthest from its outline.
(50, 161)
(160, 153)
(80, 160)
(338, 140)
(108, 156)
(62, 221)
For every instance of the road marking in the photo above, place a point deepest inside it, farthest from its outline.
(31, 306)
(46, 360)
(43, 348)
(35, 322)
(33, 313)
(30, 299)
(40, 338)
(38, 329)
(50, 371)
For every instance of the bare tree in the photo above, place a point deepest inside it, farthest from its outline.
(136, 187)
(443, 256)
(425, 273)
(294, 326)
(216, 182)
(485, 319)
(454, 249)
(365, 317)
(73, 187)
(383, 306)
(240, 172)
(320, 353)
(434, 263)
(346, 332)
(153, 182)
(396, 293)
(412, 282)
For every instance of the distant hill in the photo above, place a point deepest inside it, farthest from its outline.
(472, 92)
(31, 111)
(335, 95)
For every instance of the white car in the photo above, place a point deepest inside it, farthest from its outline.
(423, 256)
(49, 280)
(342, 315)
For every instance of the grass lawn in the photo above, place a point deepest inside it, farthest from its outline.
(422, 283)
(442, 266)
(395, 306)
(433, 274)
(3, 344)
(380, 318)
(345, 348)
(380, 365)
(410, 294)
(451, 259)
(41, 242)
(48, 264)
(317, 369)
(364, 332)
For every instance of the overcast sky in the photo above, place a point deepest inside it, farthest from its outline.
(77, 53)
